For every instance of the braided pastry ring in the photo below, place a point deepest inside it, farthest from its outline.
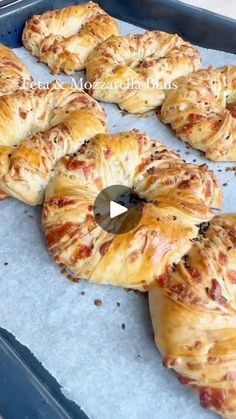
(134, 71)
(178, 197)
(64, 38)
(194, 317)
(202, 111)
(13, 74)
(37, 128)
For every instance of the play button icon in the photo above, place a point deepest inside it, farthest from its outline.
(117, 209)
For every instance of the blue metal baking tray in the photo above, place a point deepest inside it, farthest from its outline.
(27, 390)
(199, 26)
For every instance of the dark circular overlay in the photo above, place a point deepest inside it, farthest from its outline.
(124, 196)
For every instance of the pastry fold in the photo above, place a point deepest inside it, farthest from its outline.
(177, 197)
(135, 71)
(64, 38)
(193, 313)
(37, 128)
(202, 111)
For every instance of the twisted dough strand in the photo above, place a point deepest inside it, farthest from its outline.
(13, 75)
(194, 316)
(64, 38)
(178, 197)
(37, 128)
(134, 71)
(13, 72)
(202, 111)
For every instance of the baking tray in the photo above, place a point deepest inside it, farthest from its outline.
(198, 26)
(36, 393)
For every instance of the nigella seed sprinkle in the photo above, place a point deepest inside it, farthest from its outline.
(151, 170)
(204, 227)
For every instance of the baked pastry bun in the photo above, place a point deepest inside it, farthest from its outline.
(202, 111)
(134, 71)
(13, 73)
(64, 38)
(37, 128)
(194, 317)
(13, 76)
(178, 196)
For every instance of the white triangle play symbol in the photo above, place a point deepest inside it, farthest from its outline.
(116, 209)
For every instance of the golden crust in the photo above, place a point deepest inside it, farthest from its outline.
(13, 75)
(64, 38)
(37, 128)
(202, 111)
(133, 71)
(13, 72)
(178, 195)
(194, 316)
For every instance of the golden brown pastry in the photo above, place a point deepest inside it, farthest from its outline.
(178, 197)
(13, 73)
(64, 38)
(134, 71)
(194, 316)
(202, 111)
(37, 128)
(13, 76)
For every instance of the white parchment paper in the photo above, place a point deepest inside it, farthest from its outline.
(103, 357)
